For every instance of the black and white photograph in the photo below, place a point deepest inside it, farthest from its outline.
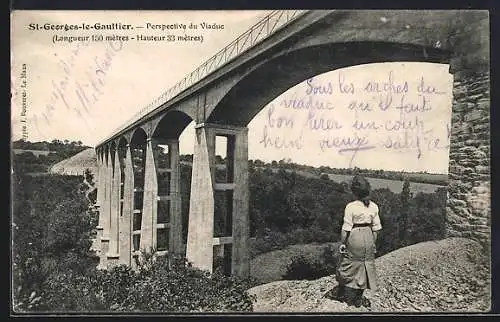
(250, 161)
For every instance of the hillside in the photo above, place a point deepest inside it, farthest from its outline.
(77, 164)
(87, 159)
(393, 185)
(435, 276)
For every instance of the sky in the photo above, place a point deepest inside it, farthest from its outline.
(391, 116)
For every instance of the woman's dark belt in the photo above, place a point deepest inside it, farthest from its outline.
(362, 225)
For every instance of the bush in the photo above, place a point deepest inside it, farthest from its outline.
(171, 284)
(304, 267)
(158, 285)
(69, 291)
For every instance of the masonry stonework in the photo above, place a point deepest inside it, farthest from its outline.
(468, 207)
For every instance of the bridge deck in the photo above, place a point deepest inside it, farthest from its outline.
(262, 30)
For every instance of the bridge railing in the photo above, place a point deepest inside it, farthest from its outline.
(258, 32)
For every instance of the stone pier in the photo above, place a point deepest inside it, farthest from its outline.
(125, 223)
(205, 186)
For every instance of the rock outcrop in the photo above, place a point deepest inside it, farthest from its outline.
(450, 275)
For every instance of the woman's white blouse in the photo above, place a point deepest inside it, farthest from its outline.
(357, 213)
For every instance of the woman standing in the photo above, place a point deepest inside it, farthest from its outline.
(356, 271)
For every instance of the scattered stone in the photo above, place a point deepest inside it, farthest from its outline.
(440, 278)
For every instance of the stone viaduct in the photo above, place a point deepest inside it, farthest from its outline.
(139, 193)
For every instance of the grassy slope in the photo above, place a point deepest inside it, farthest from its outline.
(77, 163)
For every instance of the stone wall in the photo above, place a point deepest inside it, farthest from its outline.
(468, 207)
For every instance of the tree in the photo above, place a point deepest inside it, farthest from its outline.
(89, 176)
(259, 163)
(389, 205)
(428, 216)
(53, 229)
(69, 232)
(324, 176)
(219, 159)
(405, 210)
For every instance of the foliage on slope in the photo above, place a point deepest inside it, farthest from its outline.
(29, 163)
(54, 270)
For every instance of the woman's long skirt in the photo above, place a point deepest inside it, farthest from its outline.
(357, 268)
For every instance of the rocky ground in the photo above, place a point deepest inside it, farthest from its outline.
(449, 275)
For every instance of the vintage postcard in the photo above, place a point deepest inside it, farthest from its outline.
(250, 161)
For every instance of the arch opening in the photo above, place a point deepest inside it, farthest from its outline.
(272, 78)
(264, 86)
(171, 125)
(170, 210)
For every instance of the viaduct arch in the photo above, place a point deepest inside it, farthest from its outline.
(139, 195)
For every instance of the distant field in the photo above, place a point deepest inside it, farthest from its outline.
(36, 174)
(427, 176)
(393, 185)
(376, 183)
(37, 153)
